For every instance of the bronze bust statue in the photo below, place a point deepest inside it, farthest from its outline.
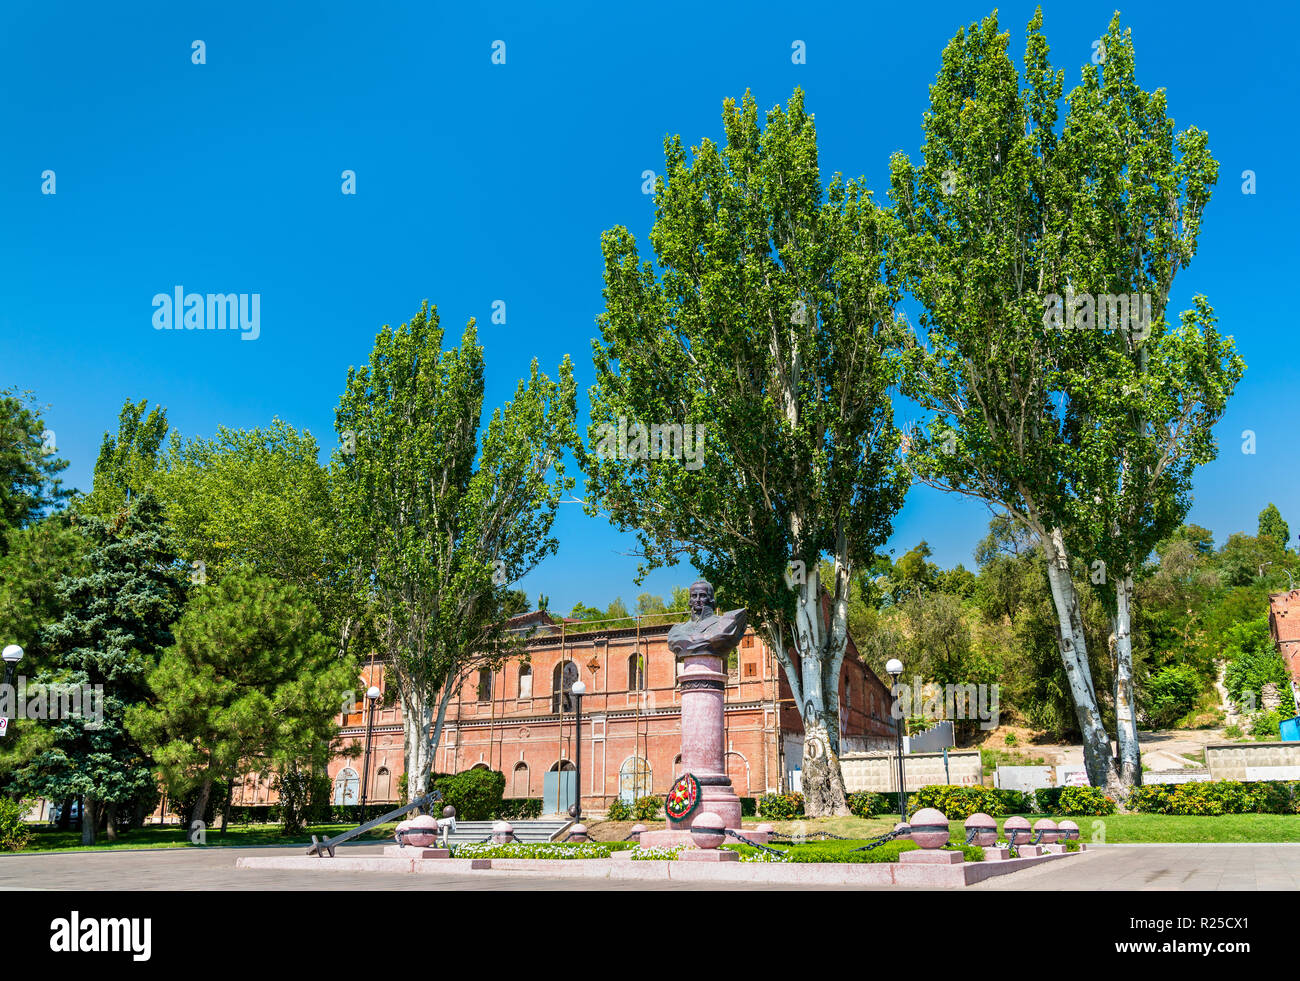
(706, 632)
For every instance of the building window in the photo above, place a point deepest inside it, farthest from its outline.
(634, 779)
(347, 787)
(485, 686)
(525, 681)
(562, 680)
(519, 780)
(635, 672)
(383, 784)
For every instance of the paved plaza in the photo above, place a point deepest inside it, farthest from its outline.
(1136, 867)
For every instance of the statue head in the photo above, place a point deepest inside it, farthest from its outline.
(701, 601)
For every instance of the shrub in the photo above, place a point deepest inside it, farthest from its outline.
(1015, 801)
(1217, 797)
(619, 810)
(868, 804)
(957, 802)
(1233, 731)
(748, 806)
(519, 808)
(476, 794)
(1266, 725)
(647, 808)
(1047, 800)
(1084, 802)
(1172, 693)
(14, 834)
(780, 807)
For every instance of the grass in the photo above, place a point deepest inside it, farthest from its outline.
(176, 836)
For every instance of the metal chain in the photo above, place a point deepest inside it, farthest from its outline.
(877, 842)
(753, 844)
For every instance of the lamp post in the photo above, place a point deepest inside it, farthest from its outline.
(578, 690)
(372, 696)
(895, 668)
(12, 655)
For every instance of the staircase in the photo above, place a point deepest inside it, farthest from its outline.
(538, 830)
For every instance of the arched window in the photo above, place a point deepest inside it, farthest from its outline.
(347, 787)
(562, 680)
(519, 780)
(565, 765)
(485, 686)
(383, 784)
(525, 681)
(635, 672)
(634, 779)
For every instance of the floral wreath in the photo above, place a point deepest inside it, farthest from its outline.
(683, 798)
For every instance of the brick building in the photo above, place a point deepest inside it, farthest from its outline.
(1284, 625)
(520, 719)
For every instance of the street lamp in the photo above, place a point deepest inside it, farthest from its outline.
(372, 696)
(895, 668)
(12, 655)
(578, 690)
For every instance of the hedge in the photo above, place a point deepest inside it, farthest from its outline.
(958, 802)
(780, 807)
(1217, 797)
(519, 808)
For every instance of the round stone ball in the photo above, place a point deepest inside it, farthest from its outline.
(399, 830)
(985, 829)
(449, 811)
(578, 833)
(1069, 830)
(706, 830)
(765, 829)
(903, 828)
(501, 831)
(1017, 826)
(423, 830)
(1047, 828)
(638, 829)
(930, 828)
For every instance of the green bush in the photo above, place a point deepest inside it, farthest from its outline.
(1172, 693)
(1047, 800)
(957, 802)
(14, 834)
(647, 808)
(869, 804)
(1266, 725)
(1084, 802)
(619, 810)
(1014, 801)
(780, 807)
(476, 794)
(519, 808)
(748, 806)
(1217, 797)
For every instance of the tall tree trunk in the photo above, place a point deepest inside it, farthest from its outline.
(110, 828)
(1130, 755)
(201, 803)
(65, 815)
(821, 779)
(417, 716)
(88, 815)
(1098, 758)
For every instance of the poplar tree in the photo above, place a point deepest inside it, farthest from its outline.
(440, 516)
(769, 323)
(1081, 424)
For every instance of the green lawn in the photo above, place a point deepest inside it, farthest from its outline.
(1119, 828)
(175, 836)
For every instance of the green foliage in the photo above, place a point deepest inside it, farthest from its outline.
(1217, 798)
(780, 807)
(476, 794)
(439, 523)
(767, 321)
(251, 676)
(868, 804)
(1253, 662)
(647, 808)
(1266, 725)
(1172, 693)
(29, 466)
(619, 810)
(1272, 527)
(1084, 801)
(519, 808)
(957, 802)
(14, 833)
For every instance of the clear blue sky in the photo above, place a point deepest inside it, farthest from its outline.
(479, 182)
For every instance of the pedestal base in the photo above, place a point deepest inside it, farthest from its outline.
(931, 856)
(994, 854)
(411, 851)
(1054, 849)
(1030, 851)
(708, 855)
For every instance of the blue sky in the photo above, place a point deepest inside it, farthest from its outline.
(478, 182)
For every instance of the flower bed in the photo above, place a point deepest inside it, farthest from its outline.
(550, 849)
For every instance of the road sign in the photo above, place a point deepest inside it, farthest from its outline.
(4, 724)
